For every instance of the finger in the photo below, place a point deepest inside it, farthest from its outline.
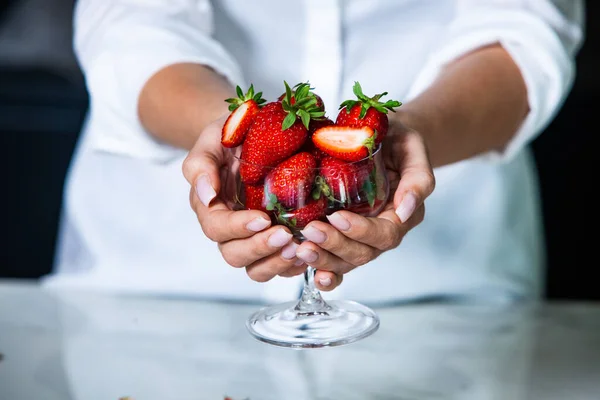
(417, 180)
(416, 218)
(298, 269)
(335, 242)
(220, 224)
(243, 252)
(321, 259)
(267, 268)
(326, 281)
(202, 164)
(382, 233)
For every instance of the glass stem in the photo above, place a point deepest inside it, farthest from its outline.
(311, 300)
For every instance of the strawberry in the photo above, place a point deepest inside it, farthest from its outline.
(345, 143)
(255, 198)
(367, 209)
(309, 147)
(299, 218)
(303, 86)
(290, 183)
(367, 111)
(243, 110)
(318, 123)
(278, 132)
(342, 181)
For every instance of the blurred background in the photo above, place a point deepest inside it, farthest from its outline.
(43, 102)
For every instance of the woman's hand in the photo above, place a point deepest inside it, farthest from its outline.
(351, 240)
(245, 238)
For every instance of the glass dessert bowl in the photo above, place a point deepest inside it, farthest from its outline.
(309, 186)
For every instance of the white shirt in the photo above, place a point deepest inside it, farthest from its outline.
(127, 224)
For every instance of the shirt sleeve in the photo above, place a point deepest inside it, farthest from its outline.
(120, 44)
(542, 37)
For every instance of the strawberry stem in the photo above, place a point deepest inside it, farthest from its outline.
(235, 102)
(368, 102)
(304, 105)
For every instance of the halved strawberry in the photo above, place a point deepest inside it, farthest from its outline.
(243, 111)
(318, 123)
(345, 143)
(367, 111)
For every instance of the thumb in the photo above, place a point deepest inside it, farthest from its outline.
(202, 165)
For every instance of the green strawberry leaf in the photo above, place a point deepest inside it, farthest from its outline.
(305, 117)
(363, 110)
(368, 102)
(370, 190)
(289, 120)
(272, 204)
(348, 104)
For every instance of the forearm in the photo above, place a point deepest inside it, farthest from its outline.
(476, 105)
(178, 102)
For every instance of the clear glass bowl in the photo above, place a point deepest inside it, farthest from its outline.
(310, 321)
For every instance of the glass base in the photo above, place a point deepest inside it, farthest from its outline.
(333, 323)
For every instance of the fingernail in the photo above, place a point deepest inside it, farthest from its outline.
(325, 282)
(279, 239)
(314, 235)
(258, 224)
(339, 222)
(204, 190)
(407, 207)
(298, 263)
(307, 255)
(289, 251)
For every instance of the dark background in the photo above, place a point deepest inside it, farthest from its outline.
(42, 109)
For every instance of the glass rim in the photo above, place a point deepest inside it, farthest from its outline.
(372, 156)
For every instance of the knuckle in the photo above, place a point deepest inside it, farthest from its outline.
(189, 167)
(363, 257)
(387, 242)
(428, 179)
(260, 245)
(334, 245)
(232, 259)
(209, 231)
(258, 275)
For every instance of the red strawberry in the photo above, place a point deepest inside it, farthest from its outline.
(309, 147)
(303, 87)
(298, 219)
(290, 183)
(255, 197)
(345, 143)
(367, 111)
(367, 209)
(278, 132)
(318, 123)
(243, 110)
(267, 143)
(342, 181)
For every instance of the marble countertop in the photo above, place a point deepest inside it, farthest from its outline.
(84, 346)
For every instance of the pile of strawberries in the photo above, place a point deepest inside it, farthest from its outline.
(297, 164)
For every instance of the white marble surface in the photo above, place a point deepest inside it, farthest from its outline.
(83, 346)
